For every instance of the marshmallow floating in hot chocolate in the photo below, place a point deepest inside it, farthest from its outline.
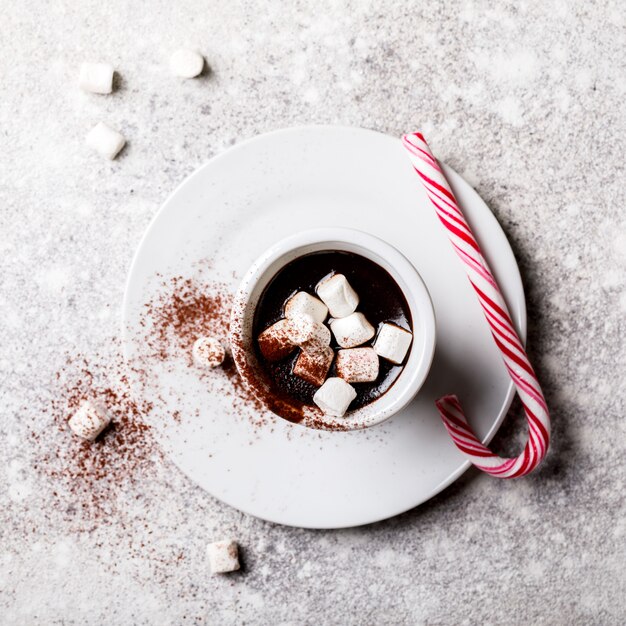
(334, 397)
(338, 295)
(274, 341)
(302, 304)
(353, 330)
(89, 420)
(357, 365)
(312, 365)
(305, 332)
(392, 343)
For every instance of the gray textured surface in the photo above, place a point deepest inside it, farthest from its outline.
(526, 99)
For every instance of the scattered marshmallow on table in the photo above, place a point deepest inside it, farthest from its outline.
(208, 352)
(305, 332)
(357, 365)
(186, 63)
(303, 303)
(223, 556)
(392, 343)
(105, 140)
(352, 331)
(274, 341)
(313, 365)
(96, 77)
(334, 397)
(89, 421)
(338, 295)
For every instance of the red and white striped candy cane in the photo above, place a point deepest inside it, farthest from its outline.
(502, 329)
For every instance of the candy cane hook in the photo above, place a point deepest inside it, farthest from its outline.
(502, 329)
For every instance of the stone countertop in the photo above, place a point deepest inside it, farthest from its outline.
(524, 99)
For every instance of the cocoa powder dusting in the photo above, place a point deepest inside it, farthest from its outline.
(185, 309)
(87, 476)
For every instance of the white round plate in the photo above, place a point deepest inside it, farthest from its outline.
(235, 207)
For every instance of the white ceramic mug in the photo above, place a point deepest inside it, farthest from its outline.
(420, 356)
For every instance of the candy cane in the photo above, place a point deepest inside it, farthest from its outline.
(499, 320)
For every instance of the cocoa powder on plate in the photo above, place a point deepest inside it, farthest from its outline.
(185, 309)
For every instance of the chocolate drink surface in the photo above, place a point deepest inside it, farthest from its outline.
(381, 300)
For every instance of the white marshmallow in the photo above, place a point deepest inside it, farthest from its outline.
(105, 140)
(313, 365)
(338, 295)
(89, 420)
(305, 332)
(352, 331)
(357, 365)
(208, 352)
(334, 397)
(303, 303)
(186, 63)
(96, 77)
(274, 341)
(223, 556)
(393, 343)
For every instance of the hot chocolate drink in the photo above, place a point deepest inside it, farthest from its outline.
(332, 329)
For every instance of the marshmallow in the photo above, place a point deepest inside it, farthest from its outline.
(96, 77)
(352, 331)
(303, 303)
(305, 332)
(393, 343)
(105, 140)
(274, 342)
(186, 63)
(208, 352)
(337, 295)
(357, 365)
(313, 365)
(334, 397)
(223, 556)
(89, 421)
